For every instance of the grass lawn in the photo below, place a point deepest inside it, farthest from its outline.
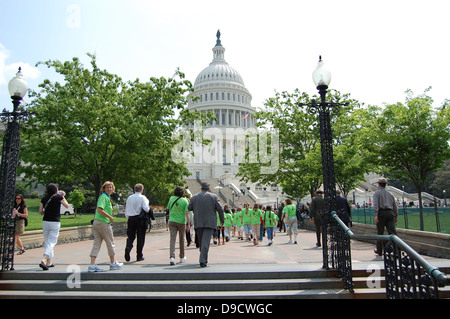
(412, 218)
(35, 220)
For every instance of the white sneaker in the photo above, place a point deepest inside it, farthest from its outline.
(115, 266)
(94, 268)
(182, 260)
(172, 261)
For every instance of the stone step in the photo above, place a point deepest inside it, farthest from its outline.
(120, 284)
(168, 285)
(188, 295)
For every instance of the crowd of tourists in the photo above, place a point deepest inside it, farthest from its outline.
(199, 219)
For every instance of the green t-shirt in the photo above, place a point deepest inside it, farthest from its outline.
(291, 210)
(246, 216)
(228, 220)
(238, 219)
(256, 216)
(270, 219)
(105, 203)
(179, 209)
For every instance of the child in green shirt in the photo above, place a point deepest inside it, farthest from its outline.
(247, 221)
(270, 220)
(228, 223)
(238, 222)
(255, 221)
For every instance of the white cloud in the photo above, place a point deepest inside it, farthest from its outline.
(8, 71)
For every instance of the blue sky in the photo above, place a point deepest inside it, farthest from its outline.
(374, 50)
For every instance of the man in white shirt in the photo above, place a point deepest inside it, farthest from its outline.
(136, 224)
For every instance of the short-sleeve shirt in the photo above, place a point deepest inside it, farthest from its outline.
(179, 209)
(270, 219)
(256, 216)
(246, 216)
(228, 220)
(291, 210)
(52, 211)
(103, 202)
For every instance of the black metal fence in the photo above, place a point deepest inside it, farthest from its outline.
(407, 274)
(436, 219)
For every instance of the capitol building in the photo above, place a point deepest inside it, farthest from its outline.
(220, 89)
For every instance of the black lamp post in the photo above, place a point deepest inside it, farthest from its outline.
(322, 79)
(10, 158)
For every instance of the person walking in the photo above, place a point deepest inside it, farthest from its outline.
(343, 209)
(255, 221)
(247, 221)
(20, 212)
(385, 212)
(204, 205)
(281, 222)
(178, 217)
(137, 223)
(50, 207)
(270, 219)
(290, 216)
(238, 221)
(101, 227)
(228, 224)
(317, 207)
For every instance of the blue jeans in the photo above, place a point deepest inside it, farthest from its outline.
(269, 233)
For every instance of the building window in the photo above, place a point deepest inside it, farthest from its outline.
(223, 96)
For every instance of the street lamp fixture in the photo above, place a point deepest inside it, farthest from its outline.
(321, 76)
(18, 87)
(8, 170)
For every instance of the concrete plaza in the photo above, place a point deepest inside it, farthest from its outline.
(235, 255)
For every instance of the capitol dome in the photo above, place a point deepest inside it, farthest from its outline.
(220, 87)
(219, 72)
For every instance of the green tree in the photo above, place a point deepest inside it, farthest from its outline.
(94, 127)
(76, 198)
(300, 169)
(413, 139)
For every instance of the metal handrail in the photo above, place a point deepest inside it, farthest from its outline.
(439, 276)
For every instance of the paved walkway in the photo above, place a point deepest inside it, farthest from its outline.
(235, 255)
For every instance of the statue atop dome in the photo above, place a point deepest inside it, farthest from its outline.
(218, 43)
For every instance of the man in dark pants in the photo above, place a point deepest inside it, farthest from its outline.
(343, 209)
(385, 211)
(317, 207)
(205, 205)
(136, 225)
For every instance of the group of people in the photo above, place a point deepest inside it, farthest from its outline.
(202, 211)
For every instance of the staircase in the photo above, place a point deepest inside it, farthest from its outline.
(191, 284)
